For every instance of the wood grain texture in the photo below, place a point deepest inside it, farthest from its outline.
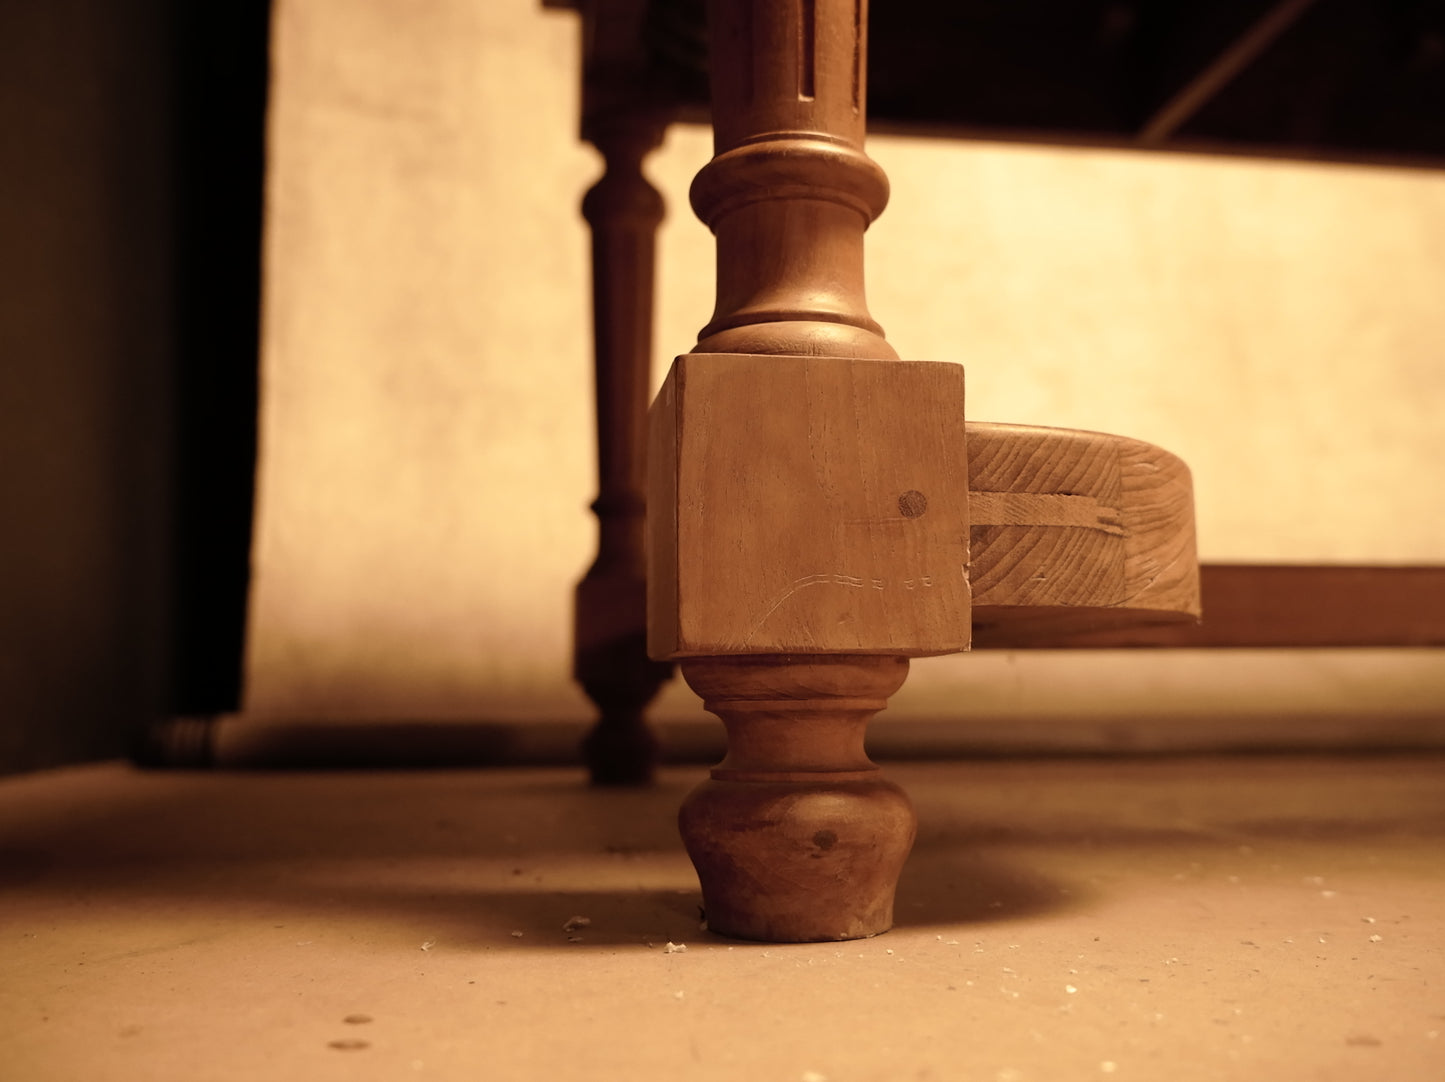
(808, 497)
(789, 191)
(809, 524)
(1274, 605)
(797, 837)
(1074, 531)
(808, 505)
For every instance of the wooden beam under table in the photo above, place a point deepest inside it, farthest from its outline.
(1278, 605)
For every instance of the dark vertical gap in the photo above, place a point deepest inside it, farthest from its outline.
(139, 262)
(860, 28)
(807, 48)
(221, 72)
(85, 376)
(749, 35)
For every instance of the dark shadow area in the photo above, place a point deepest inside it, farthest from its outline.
(470, 857)
(350, 816)
(1342, 79)
(130, 210)
(219, 70)
(947, 884)
(382, 846)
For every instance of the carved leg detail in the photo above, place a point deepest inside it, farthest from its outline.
(808, 503)
(610, 651)
(797, 837)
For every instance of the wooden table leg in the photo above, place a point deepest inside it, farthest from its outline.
(808, 493)
(797, 810)
(610, 653)
(810, 512)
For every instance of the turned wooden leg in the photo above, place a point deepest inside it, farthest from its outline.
(610, 649)
(809, 513)
(809, 534)
(808, 498)
(797, 837)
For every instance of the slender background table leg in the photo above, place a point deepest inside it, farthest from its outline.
(610, 660)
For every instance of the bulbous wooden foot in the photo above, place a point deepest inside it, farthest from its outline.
(797, 837)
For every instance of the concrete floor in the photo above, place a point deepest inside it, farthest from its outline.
(1247, 918)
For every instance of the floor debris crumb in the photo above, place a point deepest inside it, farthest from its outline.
(574, 923)
(429, 944)
(674, 948)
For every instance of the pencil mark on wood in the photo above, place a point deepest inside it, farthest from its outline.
(835, 578)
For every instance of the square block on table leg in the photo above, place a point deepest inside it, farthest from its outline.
(807, 505)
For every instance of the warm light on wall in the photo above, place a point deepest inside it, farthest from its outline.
(426, 428)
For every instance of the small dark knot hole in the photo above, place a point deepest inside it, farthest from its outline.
(912, 503)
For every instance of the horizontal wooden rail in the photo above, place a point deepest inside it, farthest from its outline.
(1248, 605)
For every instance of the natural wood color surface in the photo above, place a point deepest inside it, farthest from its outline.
(805, 492)
(809, 498)
(808, 505)
(789, 191)
(1074, 531)
(1297, 605)
(797, 837)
